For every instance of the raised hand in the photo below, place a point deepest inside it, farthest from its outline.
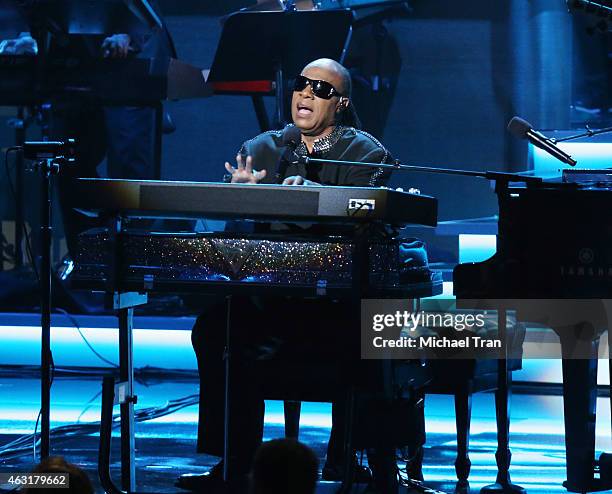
(244, 173)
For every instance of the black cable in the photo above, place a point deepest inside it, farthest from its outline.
(6, 165)
(14, 197)
(2, 178)
(21, 445)
(95, 352)
(75, 323)
(36, 436)
(78, 328)
(30, 252)
(88, 406)
(7, 175)
(8, 170)
(147, 374)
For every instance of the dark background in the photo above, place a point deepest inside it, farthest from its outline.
(451, 74)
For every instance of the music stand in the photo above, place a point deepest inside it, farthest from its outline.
(258, 46)
(143, 10)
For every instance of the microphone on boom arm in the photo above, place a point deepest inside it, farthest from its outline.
(523, 130)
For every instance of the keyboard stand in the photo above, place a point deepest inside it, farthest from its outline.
(123, 394)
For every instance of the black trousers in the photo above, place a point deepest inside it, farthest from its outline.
(272, 341)
(282, 344)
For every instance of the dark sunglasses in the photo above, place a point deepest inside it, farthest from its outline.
(321, 89)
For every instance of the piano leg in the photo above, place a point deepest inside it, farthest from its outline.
(463, 415)
(349, 470)
(351, 402)
(503, 455)
(610, 373)
(579, 402)
(292, 411)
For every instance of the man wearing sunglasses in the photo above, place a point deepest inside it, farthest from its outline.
(321, 109)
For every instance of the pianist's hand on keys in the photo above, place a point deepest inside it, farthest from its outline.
(298, 180)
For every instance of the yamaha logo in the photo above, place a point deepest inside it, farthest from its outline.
(586, 255)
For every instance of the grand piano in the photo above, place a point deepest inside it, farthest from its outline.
(553, 266)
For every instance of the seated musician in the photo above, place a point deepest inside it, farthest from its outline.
(284, 328)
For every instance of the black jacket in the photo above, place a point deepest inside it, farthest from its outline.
(344, 143)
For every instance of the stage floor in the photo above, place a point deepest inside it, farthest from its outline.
(165, 445)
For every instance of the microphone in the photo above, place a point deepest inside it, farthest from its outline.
(40, 150)
(292, 136)
(523, 130)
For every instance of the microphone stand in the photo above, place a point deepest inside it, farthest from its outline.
(47, 164)
(503, 177)
(47, 168)
(588, 133)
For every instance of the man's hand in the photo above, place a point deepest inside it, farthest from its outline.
(298, 180)
(116, 46)
(244, 173)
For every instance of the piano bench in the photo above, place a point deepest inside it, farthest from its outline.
(297, 382)
(462, 378)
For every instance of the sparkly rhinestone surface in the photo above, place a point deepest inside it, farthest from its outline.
(191, 258)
